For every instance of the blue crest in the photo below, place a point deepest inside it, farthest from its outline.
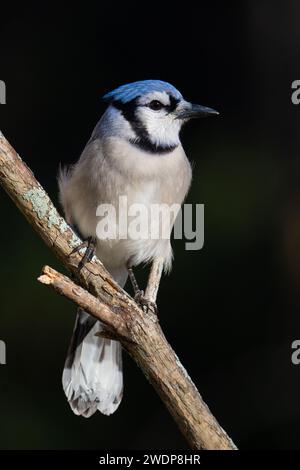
(130, 91)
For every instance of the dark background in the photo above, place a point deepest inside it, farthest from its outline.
(231, 310)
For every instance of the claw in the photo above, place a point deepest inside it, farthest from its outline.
(139, 295)
(90, 245)
(144, 302)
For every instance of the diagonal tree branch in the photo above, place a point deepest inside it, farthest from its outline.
(64, 286)
(139, 333)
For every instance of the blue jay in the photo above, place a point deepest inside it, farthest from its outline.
(134, 150)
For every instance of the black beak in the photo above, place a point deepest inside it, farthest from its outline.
(195, 111)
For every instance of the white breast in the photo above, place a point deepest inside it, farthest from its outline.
(112, 167)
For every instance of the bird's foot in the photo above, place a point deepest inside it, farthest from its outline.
(139, 295)
(145, 303)
(90, 245)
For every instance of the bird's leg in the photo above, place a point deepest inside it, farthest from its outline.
(90, 245)
(133, 281)
(139, 296)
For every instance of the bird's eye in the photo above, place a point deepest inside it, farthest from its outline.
(155, 105)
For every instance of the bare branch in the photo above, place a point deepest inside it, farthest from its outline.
(139, 333)
(64, 286)
(154, 279)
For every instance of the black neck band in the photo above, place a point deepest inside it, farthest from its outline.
(146, 145)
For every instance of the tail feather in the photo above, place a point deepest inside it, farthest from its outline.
(92, 377)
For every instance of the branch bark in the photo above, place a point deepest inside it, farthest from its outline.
(139, 333)
(154, 279)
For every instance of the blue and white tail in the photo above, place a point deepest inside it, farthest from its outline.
(92, 377)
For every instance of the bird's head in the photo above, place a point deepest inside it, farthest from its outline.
(151, 113)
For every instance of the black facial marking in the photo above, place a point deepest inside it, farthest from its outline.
(173, 104)
(127, 109)
(142, 141)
